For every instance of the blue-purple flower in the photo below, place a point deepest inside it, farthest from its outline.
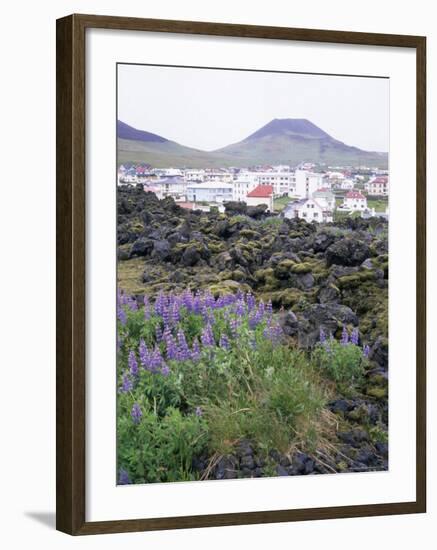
(224, 342)
(198, 411)
(207, 337)
(355, 337)
(132, 362)
(344, 337)
(136, 413)
(123, 477)
(366, 351)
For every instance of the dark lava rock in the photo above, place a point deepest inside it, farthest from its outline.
(247, 462)
(353, 437)
(161, 250)
(141, 247)
(244, 448)
(191, 256)
(328, 293)
(322, 241)
(281, 471)
(350, 252)
(226, 468)
(382, 449)
(339, 406)
(289, 323)
(327, 316)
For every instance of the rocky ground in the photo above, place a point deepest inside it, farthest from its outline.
(317, 276)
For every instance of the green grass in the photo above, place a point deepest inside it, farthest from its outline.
(256, 387)
(280, 203)
(378, 204)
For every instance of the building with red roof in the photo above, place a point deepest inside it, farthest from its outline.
(354, 201)
(262, 194)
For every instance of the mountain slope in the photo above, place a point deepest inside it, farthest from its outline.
(281, 141)
(291, 141)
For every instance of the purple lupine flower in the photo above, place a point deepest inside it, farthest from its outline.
(183, 351)
(123, 477)
(322, 336)
(234, 323)
(165, 370)
(160, 303)
(195, 350)
(269, 308)
(240, 308)
(136, 413)
(126, 383)
(122, 317)
(355, 337)
(250, 301)
(143, 353)
(146, 308)
(156, 361)
(132, 362)
(175, 313)
(170, 344)
(158, 333)
(187, 300)
(273, 332)
(132, 304)
(207, 337)
(209, 299)
(198, 411)
(224, 342)
(166, 316)
(344, 336)
(366, 351)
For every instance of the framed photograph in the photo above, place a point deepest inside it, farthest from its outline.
(240, 274)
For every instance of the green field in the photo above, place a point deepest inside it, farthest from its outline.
(378, 204)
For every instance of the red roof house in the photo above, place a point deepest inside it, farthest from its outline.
(354, 195)
(261, 191)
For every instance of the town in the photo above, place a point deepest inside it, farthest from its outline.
(307, 191)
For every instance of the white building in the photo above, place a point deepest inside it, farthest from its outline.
(308, 209)
(325, 198)
(354, 201)
(306, 183)
(377, 187)
(218, 176)
(168, 187)
(345, 185)
(192, 175)
(262, 194)
(242, 187)
(209, 192)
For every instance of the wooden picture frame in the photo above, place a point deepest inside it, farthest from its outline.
(71, 284)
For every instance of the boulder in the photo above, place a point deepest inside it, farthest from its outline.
(351, 251)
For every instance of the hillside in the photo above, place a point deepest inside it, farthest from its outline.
(281, 141)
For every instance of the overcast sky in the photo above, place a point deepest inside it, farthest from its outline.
(208, 109)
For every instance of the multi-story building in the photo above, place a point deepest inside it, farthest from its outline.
(377, 186)
(306, 183)
(209, 192)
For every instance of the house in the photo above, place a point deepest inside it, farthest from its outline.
(325, 197)
(242, 187)
(262, 194)
(218, 192)
(306, 183)
(192, 175)
(346, 184)
(354, 201)
(173, 186)
(308, 209)
(378, 186)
